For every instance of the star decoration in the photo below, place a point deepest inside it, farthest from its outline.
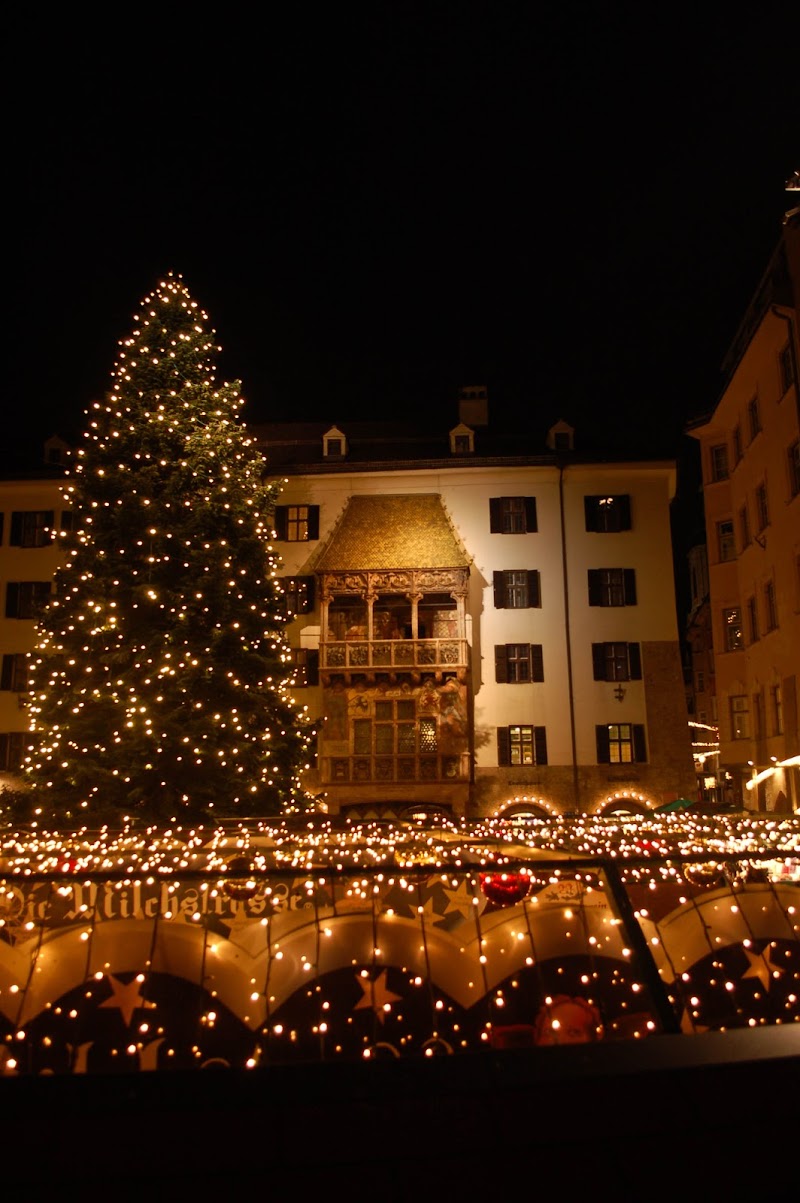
(127, 998)
(760, 966)
(376, 995)
(459, 900)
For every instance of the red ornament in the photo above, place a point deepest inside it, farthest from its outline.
(506, 889)
(241, 887)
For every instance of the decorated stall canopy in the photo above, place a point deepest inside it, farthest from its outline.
(322, 940)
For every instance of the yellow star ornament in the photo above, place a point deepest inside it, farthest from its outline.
(126, 998)
(376, 995)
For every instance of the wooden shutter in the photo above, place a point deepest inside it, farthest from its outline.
(639, 744)
(313, 522)
(530, 514)
(15, 534)
(7, 672)
(537, 662)
(540, 745)
(590, 512)
(534, 588)
(503, 746)
(501, 663)
(623, 504)
(635, 661)
(496, 515)
(12, 599)
(280, 521)
(629, 578)
(599, 661)
(312, 666)
(595, 588)
(603, 752)
(499, 586)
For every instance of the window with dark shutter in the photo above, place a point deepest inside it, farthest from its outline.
(298, 593)
(612, 586)
(621, 743)
(607, 514)
(31, 528)
(616, 662)
(521, 745)
(516, 589)
(14, 674)
(24, 599)
(297, 523)
(512, 515)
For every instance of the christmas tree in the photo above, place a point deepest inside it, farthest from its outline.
(161, 681)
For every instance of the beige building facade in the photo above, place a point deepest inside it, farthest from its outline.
(750, 449)
(481, 632)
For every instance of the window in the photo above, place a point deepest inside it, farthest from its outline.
(612, 587)
(12, 747)
(24, 599)
(521, 745)
(621, 743)
(794, 468)
(31, 528)
(740, 717)
(395, 730)
(700, 681)
(770, 606)
(758, 715)
(753, 418)
(762, 507)
(15, 673)
(462, 444)
(512, 515)
(719, 462)
(298, 594)
(617, 661)
(744, 527)
(516, 590)
(726, 544)
(737, 444)
(785, 368)
(297, 523)
(752, 619)
(515, 663)
(608, 513)
(732, 629)
(776, 705)
(305, 661)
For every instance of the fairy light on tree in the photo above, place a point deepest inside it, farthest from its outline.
(161, 678)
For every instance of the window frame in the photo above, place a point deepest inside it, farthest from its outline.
(770, 607)
(31, 528)
(607, 513)
(762, 506)
(739, 715)
(298, 523)
(518, 663)
(15, 672)
(506, 590)
(785, 368)
(521, 736)
(793, 464)
(732, 630)
(629, 735)
(616, 660)
(718, 458)
(726, 541)
(612, 587)
(512, 516)
(298, 594)
(26, 599)
(753, 418)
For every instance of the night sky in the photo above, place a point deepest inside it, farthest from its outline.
(379, 205)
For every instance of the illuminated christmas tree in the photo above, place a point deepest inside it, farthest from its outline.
(161, 678)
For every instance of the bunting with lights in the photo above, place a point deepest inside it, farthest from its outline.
(161, 680)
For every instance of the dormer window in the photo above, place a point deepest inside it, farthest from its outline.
(561, 437)
(334, 444)
(462, 440)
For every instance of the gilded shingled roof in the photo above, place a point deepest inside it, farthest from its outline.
(393, 532)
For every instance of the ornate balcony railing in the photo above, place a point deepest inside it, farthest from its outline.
(386, 769)
(391, 655)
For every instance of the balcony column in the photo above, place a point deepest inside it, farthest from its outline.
(415, 599)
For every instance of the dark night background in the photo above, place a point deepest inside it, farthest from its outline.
(380, 204)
